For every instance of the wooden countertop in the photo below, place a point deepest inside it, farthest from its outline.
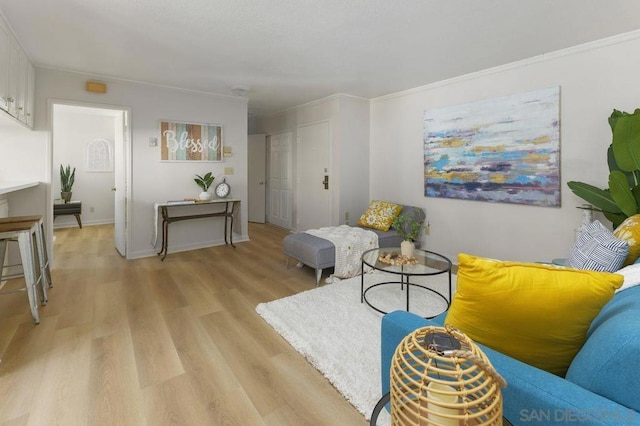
(11, 186)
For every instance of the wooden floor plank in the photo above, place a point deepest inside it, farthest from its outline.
(114, 394)
(62, 394)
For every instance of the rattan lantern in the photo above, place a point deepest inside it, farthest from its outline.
(439, 377)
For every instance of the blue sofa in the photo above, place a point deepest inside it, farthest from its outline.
(602, 385)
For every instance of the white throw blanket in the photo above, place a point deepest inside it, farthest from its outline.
(350, 243)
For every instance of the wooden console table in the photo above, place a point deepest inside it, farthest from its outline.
(229, 210)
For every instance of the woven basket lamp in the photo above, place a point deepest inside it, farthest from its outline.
(439, 377)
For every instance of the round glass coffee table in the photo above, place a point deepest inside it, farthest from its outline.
(427, 263)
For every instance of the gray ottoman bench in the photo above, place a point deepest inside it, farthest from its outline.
(320, 254)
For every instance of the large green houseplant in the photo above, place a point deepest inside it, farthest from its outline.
(622, 198)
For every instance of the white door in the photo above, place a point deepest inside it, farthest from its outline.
(314, 181)
(257, 164)
(120, 184)
(280, 180)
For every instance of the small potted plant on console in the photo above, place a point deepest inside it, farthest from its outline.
(67, 178)
(204, 182)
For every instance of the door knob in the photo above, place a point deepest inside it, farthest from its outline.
(260, 183)
(113, 189)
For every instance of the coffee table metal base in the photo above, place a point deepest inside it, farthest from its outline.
(404, 285)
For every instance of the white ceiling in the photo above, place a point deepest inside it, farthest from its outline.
(289, 52)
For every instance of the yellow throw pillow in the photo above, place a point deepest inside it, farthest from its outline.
(536, 313)
(629, 231)
(379, 215)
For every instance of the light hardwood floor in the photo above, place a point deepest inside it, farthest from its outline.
(161, 343)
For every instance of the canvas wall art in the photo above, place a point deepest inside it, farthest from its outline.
(503, 150)
(190, 142)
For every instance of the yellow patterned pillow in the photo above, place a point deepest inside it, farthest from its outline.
(629, 231)
(379, 215)
(536, 313)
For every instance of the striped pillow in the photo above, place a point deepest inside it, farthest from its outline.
(597, 249)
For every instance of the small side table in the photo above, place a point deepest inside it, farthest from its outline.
(72, 208)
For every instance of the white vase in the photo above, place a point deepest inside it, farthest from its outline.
(204, 196)
(407, 247)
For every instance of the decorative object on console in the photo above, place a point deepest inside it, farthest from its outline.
(619, 201)
(67, 179)
(440, 376)
(598, 249)
(408, 226)
(190, 142)
(379, 215)
(511, 307)
(467, 154)
(204, 182)
(223, 189)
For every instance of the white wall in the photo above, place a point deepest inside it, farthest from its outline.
(348, 118)
(153, 180)
(594, 79)
(72, 130)
(22, 155)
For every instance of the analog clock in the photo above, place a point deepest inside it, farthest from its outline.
(223, 189)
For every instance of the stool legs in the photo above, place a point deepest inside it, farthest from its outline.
(43, 261)
(29, 235)
(28, 265)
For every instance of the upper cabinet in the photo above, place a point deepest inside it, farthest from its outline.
(17, 79)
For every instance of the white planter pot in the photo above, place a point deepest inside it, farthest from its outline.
(204, 196)
(406, 248)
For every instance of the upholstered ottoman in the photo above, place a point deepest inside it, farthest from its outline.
(313, 251)
(320, 254)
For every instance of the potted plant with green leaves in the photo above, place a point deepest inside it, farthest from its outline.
(67, 178)
(204, 182)
(408, 226)
(622, 198)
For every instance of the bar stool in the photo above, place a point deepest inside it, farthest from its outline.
(41, 247)
(30, 240)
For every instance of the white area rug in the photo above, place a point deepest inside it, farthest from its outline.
(340, 336)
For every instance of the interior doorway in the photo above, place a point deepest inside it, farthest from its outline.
(257, 177)
(95, 140)
(280, 172)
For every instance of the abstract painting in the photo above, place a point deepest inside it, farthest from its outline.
(190, 142)
(502, 150)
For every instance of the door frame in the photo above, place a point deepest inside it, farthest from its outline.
(127, 164)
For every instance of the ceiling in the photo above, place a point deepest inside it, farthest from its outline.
(289, 52)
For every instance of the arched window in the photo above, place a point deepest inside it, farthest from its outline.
(99, 156)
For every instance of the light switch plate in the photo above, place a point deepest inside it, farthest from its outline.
(153, 141)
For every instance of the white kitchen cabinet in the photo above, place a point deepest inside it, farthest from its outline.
(31, 86)
(5, 39)
(23, 76)
(14, 81)
(17, 78)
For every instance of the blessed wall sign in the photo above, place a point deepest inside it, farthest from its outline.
(190, 141)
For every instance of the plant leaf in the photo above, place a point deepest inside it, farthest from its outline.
(613, 165)
(621, 193)
(595, 196)
(626, 142)
(615, 218)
